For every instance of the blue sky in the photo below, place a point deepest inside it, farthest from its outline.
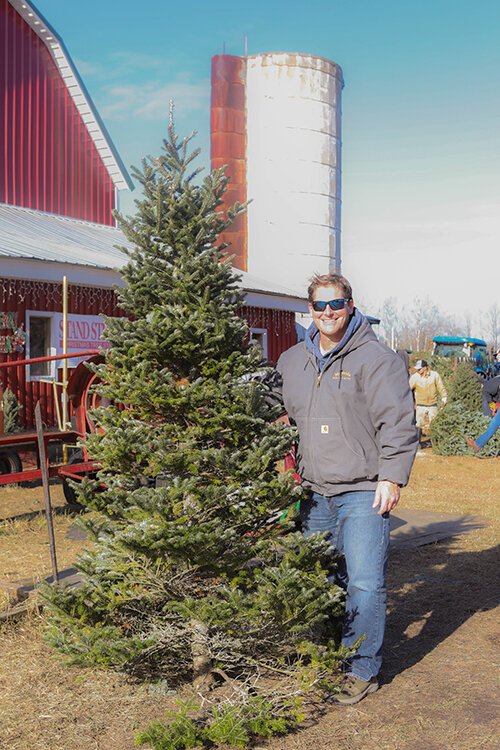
(421, 118)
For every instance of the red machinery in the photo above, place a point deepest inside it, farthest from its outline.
(15, 445)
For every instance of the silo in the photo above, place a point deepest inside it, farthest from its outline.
(292, 157)
(293, 105)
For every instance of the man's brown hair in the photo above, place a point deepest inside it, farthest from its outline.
(329, 279)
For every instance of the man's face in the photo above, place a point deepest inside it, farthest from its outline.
(332, 324)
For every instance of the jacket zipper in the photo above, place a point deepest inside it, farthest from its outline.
(313, 410)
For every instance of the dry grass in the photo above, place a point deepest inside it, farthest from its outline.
(454, 484)
(46, 705)
(24, 546)
(438, 687)
(15, 500)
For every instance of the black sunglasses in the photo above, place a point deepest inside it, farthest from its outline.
(334, 304)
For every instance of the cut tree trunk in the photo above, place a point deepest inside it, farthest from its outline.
(202, 662)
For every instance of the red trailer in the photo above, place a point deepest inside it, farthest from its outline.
(19, 455)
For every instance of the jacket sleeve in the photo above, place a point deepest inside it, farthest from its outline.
(391, 409)
(490, 393)
(274, 383)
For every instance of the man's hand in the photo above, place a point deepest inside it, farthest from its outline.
(387, 496)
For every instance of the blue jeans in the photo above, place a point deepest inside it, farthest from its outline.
(490, 431)
(362, 536)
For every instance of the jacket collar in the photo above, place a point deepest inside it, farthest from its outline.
(312, 341)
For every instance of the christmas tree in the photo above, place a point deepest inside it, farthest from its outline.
(462, 416)
(464, 387)
(191, 577)
(11, 412)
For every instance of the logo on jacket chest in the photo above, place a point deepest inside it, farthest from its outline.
(341, 375)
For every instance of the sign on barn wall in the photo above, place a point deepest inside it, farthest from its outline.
(45, 338)
(84, 332)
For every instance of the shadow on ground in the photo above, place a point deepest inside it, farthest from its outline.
(437, 592)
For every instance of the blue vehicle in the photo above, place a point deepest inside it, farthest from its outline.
(465, 348)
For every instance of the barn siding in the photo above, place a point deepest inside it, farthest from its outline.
(280, 326)
(48, 160)
(19, 295)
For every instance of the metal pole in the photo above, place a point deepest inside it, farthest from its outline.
(29, 361)
(65, 351)
(46, 490)
(58, 410)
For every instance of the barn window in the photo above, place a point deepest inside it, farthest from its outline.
(40, 345)
(258, 336)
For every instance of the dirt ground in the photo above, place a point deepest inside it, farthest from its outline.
(439, 687)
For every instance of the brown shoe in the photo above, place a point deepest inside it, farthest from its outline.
(354, 690)
(472, 444)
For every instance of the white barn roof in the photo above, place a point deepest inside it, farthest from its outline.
(46, 241)
(25, 233)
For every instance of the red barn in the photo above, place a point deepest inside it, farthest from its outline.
(59, 179)
(56, 160)
(55, 152)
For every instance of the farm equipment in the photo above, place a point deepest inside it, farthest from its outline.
(468, 349)
(65, 452)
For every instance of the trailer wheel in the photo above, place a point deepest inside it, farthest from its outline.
(68, 491)
(10, 463)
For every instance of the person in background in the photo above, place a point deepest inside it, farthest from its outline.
(427, 387)
(486, 436)
(491, 408)
(348, 394)
(491, 395)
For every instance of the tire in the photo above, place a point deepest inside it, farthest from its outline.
(10, 463)
(68, 491)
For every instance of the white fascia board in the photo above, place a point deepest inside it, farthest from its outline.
(42, 270)
(275, 302)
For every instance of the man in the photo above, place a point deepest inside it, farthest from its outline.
(348, 395)
(428, 387)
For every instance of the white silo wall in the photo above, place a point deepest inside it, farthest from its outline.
(293, 166)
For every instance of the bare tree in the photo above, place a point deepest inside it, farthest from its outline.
(422, 322)
(390, 320)
(493, 322)
(467, 323)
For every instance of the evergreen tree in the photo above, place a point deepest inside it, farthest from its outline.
(445, 366)
(462, 415)
(191, 576)
(464, 387)
(11, 412)
(451, 426)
